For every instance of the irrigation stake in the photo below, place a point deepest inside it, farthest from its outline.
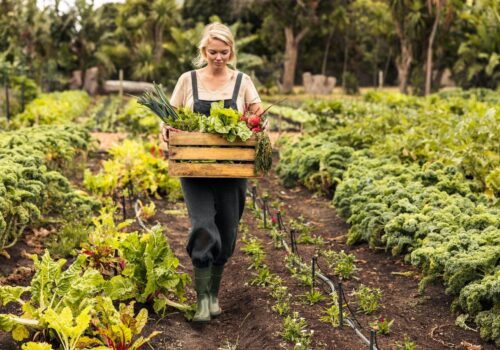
(130, 187)
(120, 91)
(314, 258)
(295, 243)
(341, 302)
(278, 218)
(372, 339)
(292, 241)
(254, 196)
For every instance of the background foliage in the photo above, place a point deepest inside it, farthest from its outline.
(156, 40)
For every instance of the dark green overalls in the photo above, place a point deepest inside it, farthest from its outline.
(215, 205)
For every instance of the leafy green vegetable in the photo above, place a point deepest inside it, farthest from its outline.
(225, 122)
(150, 272)
(54, 108)
(31, 183)
(118, 328)
(135, 167)
(36, 346)
(68, 329)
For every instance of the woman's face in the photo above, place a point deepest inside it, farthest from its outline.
(218, 53)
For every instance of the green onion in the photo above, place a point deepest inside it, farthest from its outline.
(158, 103)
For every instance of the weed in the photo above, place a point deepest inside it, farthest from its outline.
(407, 344)
(295, 331)
(341, 263)
(382, 325)
(277, 237)
(331, 314)
(368, 299)
(313, 296)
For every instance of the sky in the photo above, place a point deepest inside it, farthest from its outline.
(65, 4)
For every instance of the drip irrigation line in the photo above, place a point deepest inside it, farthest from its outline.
(353, 323)
(327, 275)
(350, 310)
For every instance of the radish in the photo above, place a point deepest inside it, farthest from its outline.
(254, 120)
(256, 129)
(244, 118)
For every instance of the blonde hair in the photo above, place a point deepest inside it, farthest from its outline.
(216, 31)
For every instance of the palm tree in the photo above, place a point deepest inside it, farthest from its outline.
(142, 26)
(438, 6)
(479, 58)
(161, 14)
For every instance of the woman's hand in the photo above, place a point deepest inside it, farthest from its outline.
(165, 131)
(257, 109)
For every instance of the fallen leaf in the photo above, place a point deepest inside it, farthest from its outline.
(470, 346)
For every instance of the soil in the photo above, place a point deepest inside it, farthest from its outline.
(248, 322)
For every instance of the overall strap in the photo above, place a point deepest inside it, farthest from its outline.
(194, 83)
(236, 88)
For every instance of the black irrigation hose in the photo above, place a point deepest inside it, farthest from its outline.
(354, 324)
(350, 310)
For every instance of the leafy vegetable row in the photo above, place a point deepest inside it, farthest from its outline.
(431, 215)
(449, 129)
(134, 169)
(53, 108)
(419, 176)
(31, 183)
(73, 305)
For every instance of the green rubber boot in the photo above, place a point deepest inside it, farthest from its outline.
(202, 285)
(214, 307)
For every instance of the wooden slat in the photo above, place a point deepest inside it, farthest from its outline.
(204, 139)
(214, 153)
(211, 170)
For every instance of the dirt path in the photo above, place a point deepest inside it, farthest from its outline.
(248, 322)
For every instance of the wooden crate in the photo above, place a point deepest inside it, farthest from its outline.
(189, 151)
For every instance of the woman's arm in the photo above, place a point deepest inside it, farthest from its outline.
(256, 108)
(253, 101)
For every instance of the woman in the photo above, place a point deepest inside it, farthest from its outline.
(214, 205)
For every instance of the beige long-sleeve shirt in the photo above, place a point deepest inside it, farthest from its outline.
(182, 95)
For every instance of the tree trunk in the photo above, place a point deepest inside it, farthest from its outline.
(327, 50)
(375, 62)
(428, 66)
(387, 63)
(344, 67)
(403, 62)
(158, 53)
(291, 53)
